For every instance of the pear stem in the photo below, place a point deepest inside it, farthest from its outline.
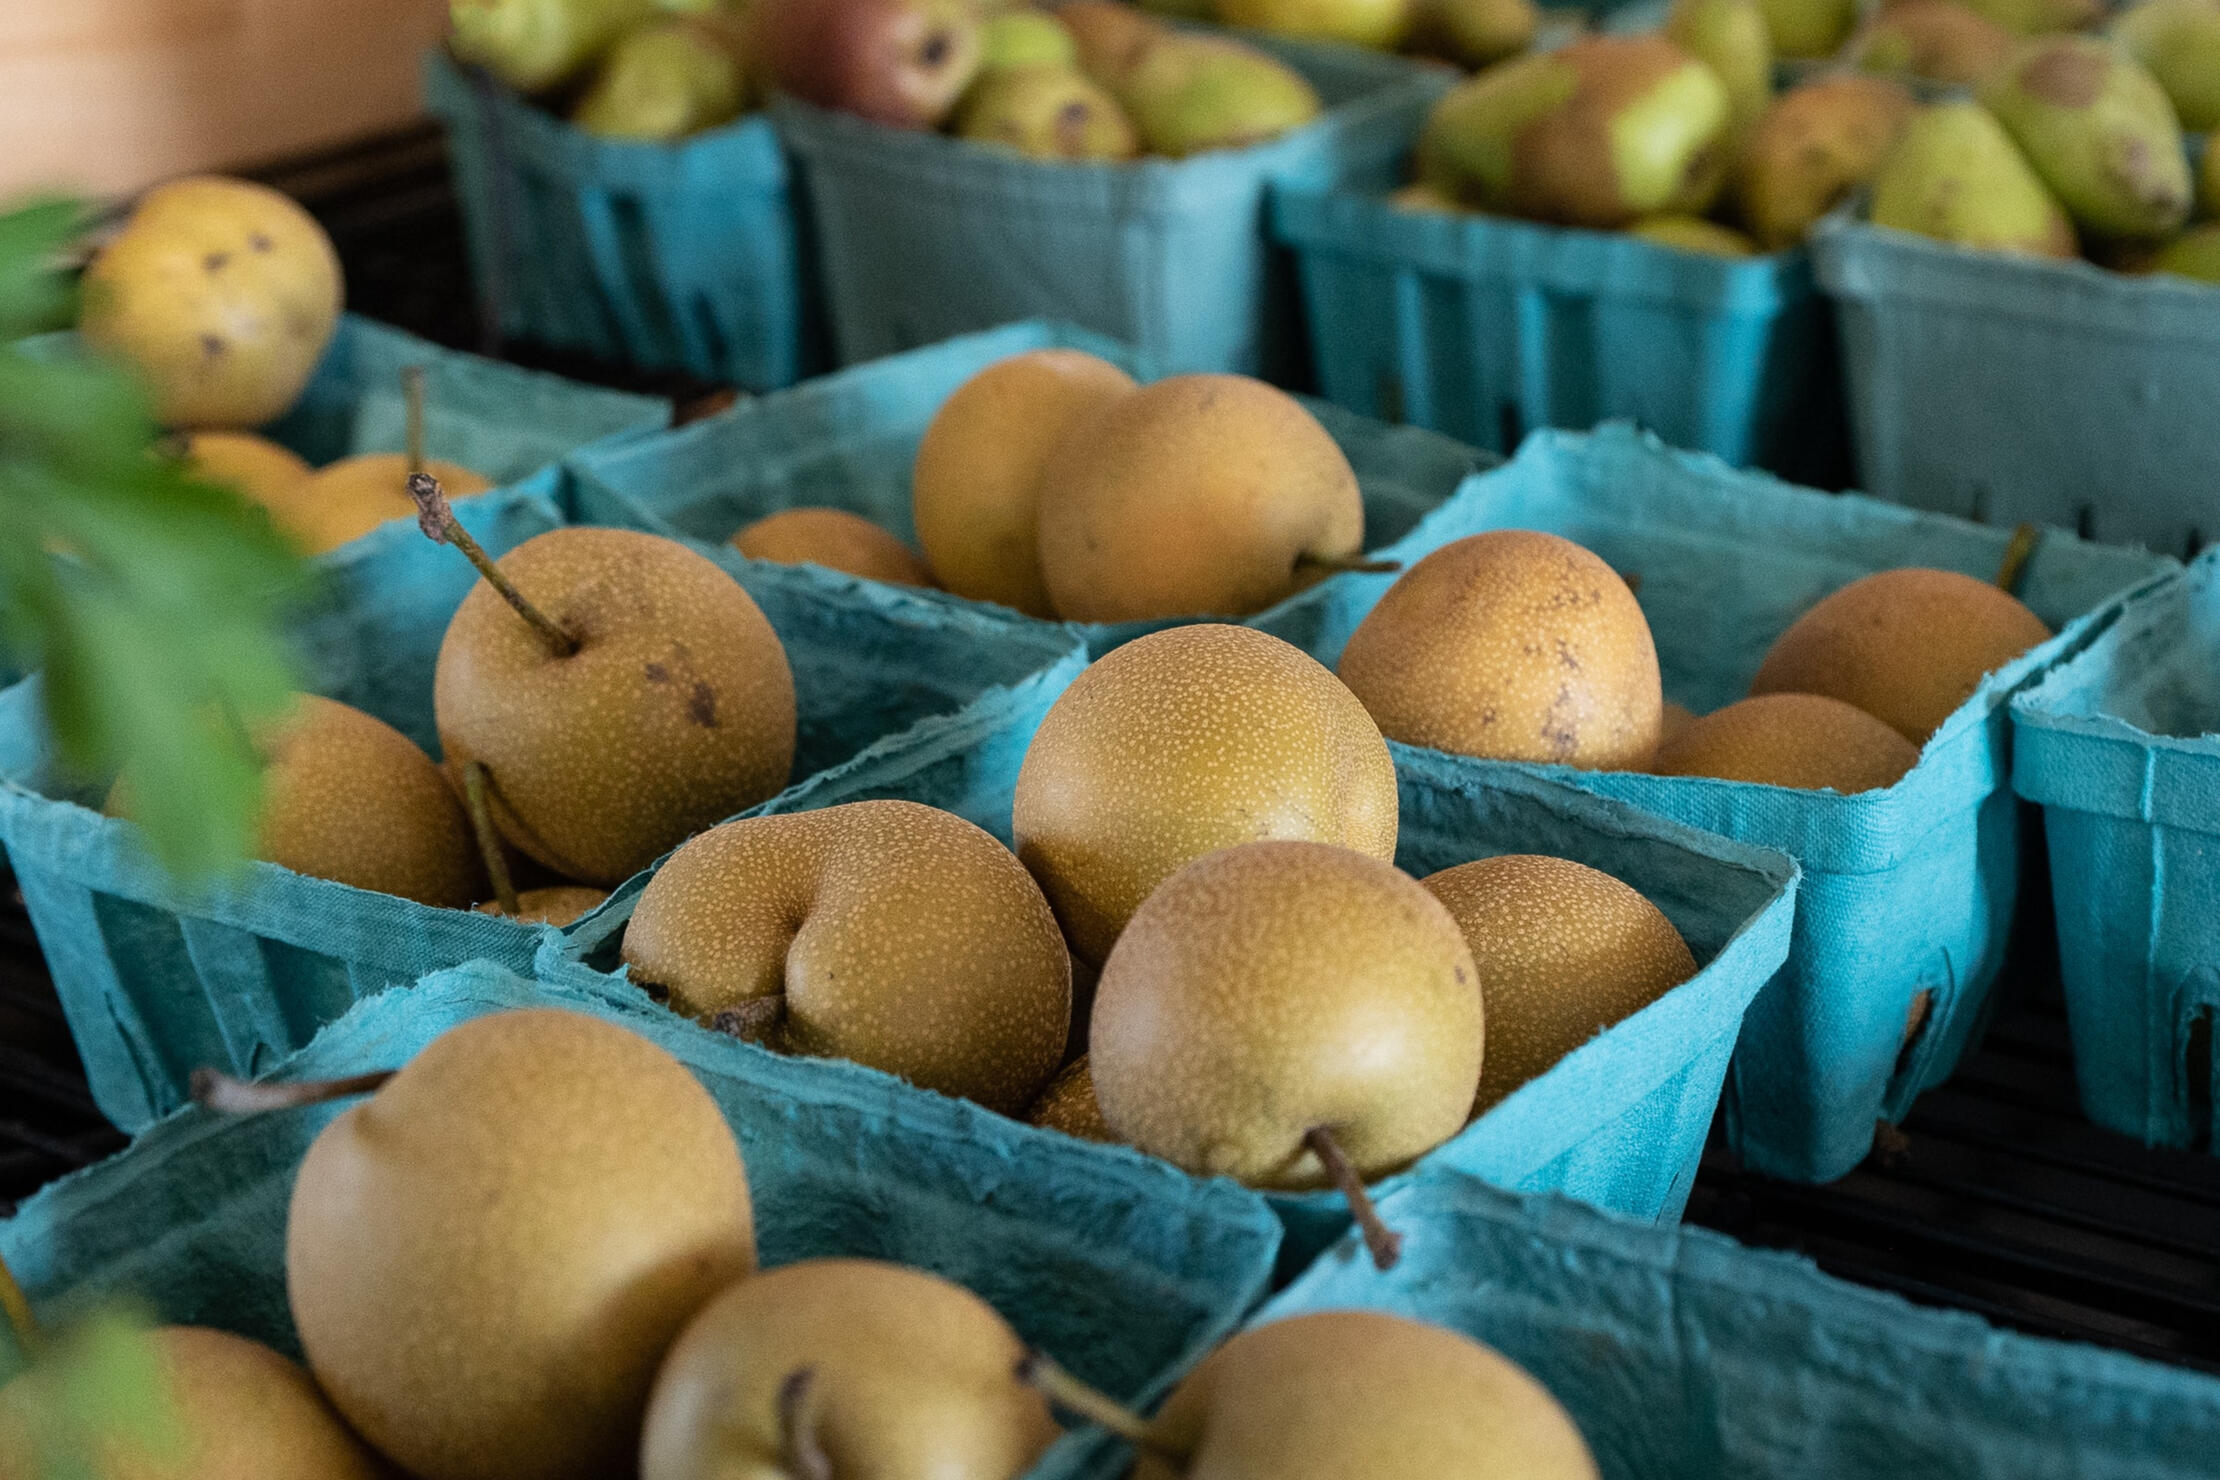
(476, 781)
(1039, 1371)
(215, 1090)
(1384, 1242)
(1335, 565)
(2016, 555)
(437, 519)
(17, 1307)
(412, 399)
(804, 1454)
(753, 1020)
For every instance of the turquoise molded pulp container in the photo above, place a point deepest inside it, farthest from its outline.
(923, 236)
(2121, 748)
(1908, 892)
(157, 980)
(1125, 1270)
(848, 440)
(1620, 1121)
(687, 256)
(2008, 388)
(1485, 328)
(1682, 1355)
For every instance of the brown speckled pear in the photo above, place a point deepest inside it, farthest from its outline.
(675, 712)
(1801, 740)
(1068, 1105)
(835, 539)
(222, 294)
(1200, 495)
(244, 1412)
(1563, 952)
(1906, 646)
(355, 495)
(1184, 742)
(1512, 646)
(554, 904)
(909, 1376)
(349, 798)
(975, 491)
(1362, 1395)
(886, 932)
(255, 467)
(488, 1259)
(1276, 988)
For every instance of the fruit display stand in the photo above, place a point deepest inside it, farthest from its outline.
(2120, 746)
(2008, 388)
(1485, 327)
(1620, 1121)
(848, 441)
(1908, 892)
(158, 980)
(1124, 1269)
(1169, 256)
(686, 256)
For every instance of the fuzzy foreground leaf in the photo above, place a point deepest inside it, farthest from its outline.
(96, 1392)
(153, 602)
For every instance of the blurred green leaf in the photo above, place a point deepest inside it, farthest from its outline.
(97, 1389)
(153, 602)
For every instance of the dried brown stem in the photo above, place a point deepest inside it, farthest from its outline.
(17, 1307)
(1334, 565)
(412, 401)
(215, 1090)
(437, 519)
(803, 1452)
(1385, 1244)
(1038, 1371)
(754, 1020)
(2013, 568)
(477, 783)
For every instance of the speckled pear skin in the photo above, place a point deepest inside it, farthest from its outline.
(1811, 148)
(1184, 742)
(912, 1377)
(1511, 645)
(1069, 1105)
(1273, 988)
(676, 712)
(2100, 131)
(1907, 646)
(245, 1413)
(1362, 1395)
(1800, 740)
(556, 904)
(1562, 950)
(351, 497)
(487, 1259)
(904, 938)
(836, 540)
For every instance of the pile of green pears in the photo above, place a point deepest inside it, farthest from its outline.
(655, 70)
(2069, 142)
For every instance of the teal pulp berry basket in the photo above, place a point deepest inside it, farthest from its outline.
(848, 441)
(2120, 746)
(1620, 1121)
(1125, 1271)
(1908, 893)
(2007, 389)
(1486, 328)
(688, 256)
(922, 237)
(1681, 1355)
(157, 979)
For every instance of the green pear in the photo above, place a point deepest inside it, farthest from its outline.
(1046, 112)
(1465, 150)
(1382, 24)
(665, 81)
(535, 44)
(2179, 40)
(1809, 28)
(2100, 132)
(1955, 175)
(2193, 254)
(1187, 93)
(1694, 234)
(1186, 10)
(1475, 33)
(1025, 38)
(2040, 17)
(1729, 37)
(2208, 179)
(1816, 144)
(1938, 40)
